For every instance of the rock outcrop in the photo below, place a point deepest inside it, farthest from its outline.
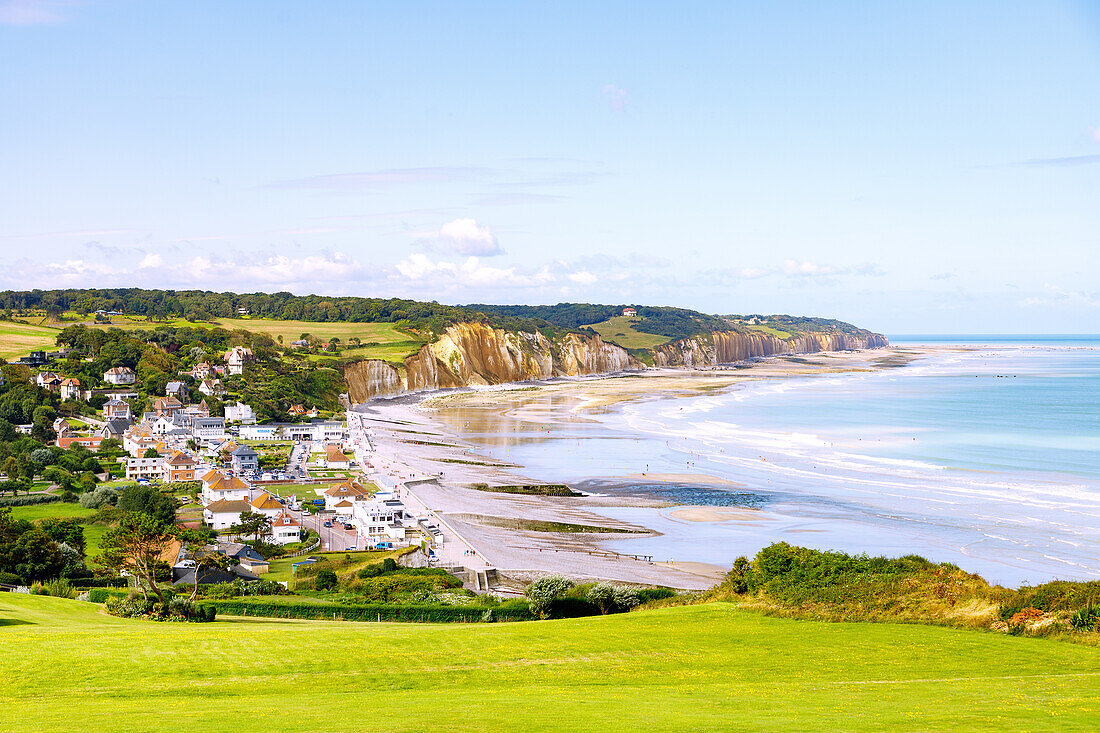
(477, 354)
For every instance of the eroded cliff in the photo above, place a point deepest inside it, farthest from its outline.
(727, 347)
(477, 354)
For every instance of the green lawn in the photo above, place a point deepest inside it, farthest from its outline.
(712, 667)
(771, 331)
(58, 509)
(621, 330)
(20, 339)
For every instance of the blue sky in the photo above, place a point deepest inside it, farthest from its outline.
(905, 166)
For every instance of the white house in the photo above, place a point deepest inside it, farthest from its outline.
(70, 389)
(208, 429)
(212, 388)
(629, 312)
(348, 491)
(240, 413)
(236, 358)
(267, 505)
(335, 458)
(120, 375)
(48, 380)
(216, 486)
(224, 513)
(379, 521)
(285, 530)
(117, 409)
(150, 469)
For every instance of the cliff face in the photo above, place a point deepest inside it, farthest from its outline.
(725, 347)
(477, 354)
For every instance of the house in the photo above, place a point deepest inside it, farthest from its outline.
(217, 486)
(296, 410)
(120, 375)
(285, 530)
(256, 567)
(349, 491)
(139, 439)
(61, 426)
(379, 521)
(267, 505)
(299, 344)
(335, 458)
(91, 442)
(208, 429)
(202, 371)
(244, 459)
(212, 388)
(116, 409)
(149, 469)
(70, 389)
(169, 405)
(48, 380)
(240, 413)
(115, 428)
(629, 312)
(181, 467)
(202, 409)
(236, 358)
(177, 390)
(224, 513)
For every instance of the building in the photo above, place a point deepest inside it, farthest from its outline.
(115, 428)
(48, 380)
(139, 439)
(120, 375)
(267, 505)
(116, 409)
(148, 469)
(167, 406)
(629, 312)
(208, 429)
(224, 513)
(317, 431)
(335, 458)
(177, 390)
(212, 388)
(285, 530)
(349, 491)
(244, 459)
(91, 442)
(70, 389)
(236, 358)
(240, 413)
(202, 371)
(217, 486)
(181, 467)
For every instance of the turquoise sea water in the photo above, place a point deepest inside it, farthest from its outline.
(986, 454)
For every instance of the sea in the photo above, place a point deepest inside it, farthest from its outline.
(984, 452)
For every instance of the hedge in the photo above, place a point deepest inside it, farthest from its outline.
(29, 500)
(284, 608)
(100, 595)
(89, 583)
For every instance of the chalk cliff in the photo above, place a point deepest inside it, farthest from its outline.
(478, 354)
(726, 347)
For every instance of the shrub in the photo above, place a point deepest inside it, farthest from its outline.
(98, 595)
(222, 590)
(626, 598)
(60, 588)
(543, 592)
(29, 500)
(288, 607)
(68, 497)
(326, 580)
(603, 595)
(1086, 619)
(100, 497)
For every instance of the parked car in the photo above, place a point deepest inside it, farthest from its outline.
(348, 525)
(328, 523)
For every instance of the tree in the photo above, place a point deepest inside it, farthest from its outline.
(136, 545)
(207, 560)
(148, 500)
(251, 524)
(32, 556)
(543, 592)
(326, 580)
(87, 482)
(150, 453)
(11, 467)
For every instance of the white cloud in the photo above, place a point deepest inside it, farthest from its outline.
(467, 237)
(151, 260)
(617, 97)
(1055, 295)
(583, 277)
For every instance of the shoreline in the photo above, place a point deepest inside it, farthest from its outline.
(444, 433)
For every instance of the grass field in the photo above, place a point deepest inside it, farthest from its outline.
(771, 331)
(58, 510)
(621, 330)
(69, 667)
(20, 339)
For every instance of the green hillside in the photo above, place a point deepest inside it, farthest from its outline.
(69, 667)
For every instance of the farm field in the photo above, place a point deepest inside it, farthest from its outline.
(621, 330)
(70, 667)
(20, 339)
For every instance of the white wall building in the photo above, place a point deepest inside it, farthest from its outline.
(150, 469)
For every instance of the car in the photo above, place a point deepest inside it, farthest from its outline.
(328, 523)
(348, 525)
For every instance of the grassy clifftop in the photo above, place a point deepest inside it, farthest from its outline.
(707, 667)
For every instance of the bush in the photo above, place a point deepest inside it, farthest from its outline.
(98, 595)
(543, 592)
(29, 500)
(86, 583)
(326, 580)
(100, 497)
(60, 588)
(10, 579)
(68, 497)
(222, 590)
(1086, 619)
(290, 608)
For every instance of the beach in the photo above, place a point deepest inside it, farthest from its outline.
(451, 437)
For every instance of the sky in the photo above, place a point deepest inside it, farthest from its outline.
(911, 167)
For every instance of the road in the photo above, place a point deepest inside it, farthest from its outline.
(333, 539)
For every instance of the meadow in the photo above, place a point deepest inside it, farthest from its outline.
(622, 331)
(70, 667)
(20, 339)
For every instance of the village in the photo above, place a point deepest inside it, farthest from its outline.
(302, 487)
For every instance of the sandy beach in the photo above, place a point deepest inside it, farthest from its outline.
(433, 435)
